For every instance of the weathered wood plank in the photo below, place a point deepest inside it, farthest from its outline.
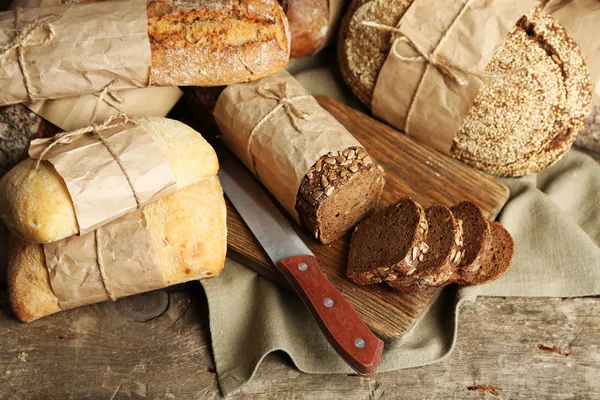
(98, 352)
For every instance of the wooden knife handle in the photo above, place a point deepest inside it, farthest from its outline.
(338, 320)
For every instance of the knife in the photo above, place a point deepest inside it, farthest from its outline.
(336, 317)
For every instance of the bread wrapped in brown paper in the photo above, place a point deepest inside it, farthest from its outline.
(76, 49)
(36, 205)
(187, 233)
(498, 84)
(314, 167)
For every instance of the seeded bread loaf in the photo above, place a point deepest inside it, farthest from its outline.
(37, 206)
(187, 231)
(441, 254)
(339, 191)
(388, 244)
(523, 119)
(199, 43)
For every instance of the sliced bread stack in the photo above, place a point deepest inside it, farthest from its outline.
(411, 249)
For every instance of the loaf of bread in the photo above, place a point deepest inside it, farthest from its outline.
(312, 165)
(188, 234)
(524, 118)
(36, 205)
(309, 22)
(458, 245)
(216, 43)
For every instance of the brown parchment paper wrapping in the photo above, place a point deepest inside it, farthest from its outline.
(95, 45)
(128, 261)
(75, 112)
(98, 186)
(581, 18)
(465, 39)
(281, 155)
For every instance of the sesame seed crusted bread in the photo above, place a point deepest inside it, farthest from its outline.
(441, 255)
(527, 112)
(362, 51)
(388, 244)
(200, 43)
(547, 87)
(339, 191)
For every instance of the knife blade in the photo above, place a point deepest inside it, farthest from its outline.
(336, 317)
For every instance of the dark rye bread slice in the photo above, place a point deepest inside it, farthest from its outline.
(388, 243)
(497, 259)
(339, 191)
(476, 233)
(441, 254)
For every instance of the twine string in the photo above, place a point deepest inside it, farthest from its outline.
(101, 267)
(23, 39)
(113, 121)
(284, 102)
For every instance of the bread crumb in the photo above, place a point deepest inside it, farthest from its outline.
(22, 356)
(553, 349)
(484, 388)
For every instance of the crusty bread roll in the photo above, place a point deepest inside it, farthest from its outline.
(188, 233)
(37, 206)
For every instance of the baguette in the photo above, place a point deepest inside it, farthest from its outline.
(220, 43)
(188, 234)
(37, 206)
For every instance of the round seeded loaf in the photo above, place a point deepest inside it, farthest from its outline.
(525, 116)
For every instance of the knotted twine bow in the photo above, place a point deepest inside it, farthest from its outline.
(283, 101)
(22, 40)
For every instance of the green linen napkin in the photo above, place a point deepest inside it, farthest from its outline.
(553, 216)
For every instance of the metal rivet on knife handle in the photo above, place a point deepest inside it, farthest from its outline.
(302, 267)
(328, 302)
(359, 343)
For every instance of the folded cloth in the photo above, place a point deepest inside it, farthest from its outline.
(554, 217)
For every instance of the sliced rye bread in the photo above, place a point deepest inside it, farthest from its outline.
(496, 261)
(442, 252)
(476, 233)
(388, 243)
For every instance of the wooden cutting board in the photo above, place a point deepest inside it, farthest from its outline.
(411, 170)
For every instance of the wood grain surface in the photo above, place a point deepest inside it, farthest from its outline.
(411, 170)
(100, 352)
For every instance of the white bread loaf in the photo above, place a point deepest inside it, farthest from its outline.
(37, 206)
(188, 233)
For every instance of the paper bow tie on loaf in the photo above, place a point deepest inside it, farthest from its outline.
(80, 180)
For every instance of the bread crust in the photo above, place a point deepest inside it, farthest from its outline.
(36, 205)
(228, 42)
(509, 131)
(309, 23)
(187, 230)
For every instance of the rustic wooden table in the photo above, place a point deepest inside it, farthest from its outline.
(112, 351)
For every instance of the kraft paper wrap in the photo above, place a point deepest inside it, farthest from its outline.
(581, 18)
(279, 155)
(416, 96)
(102, 186)
(126, 263)
(93, 46)
(76, 112)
